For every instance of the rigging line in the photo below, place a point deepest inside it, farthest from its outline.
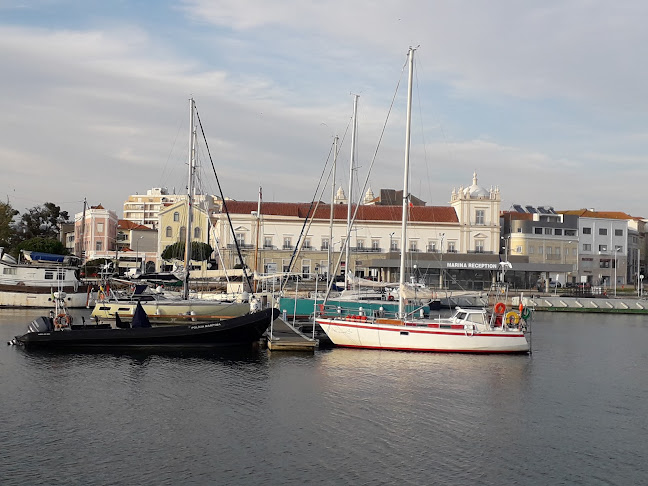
(301, 234)
(373, 160)
(220, 189)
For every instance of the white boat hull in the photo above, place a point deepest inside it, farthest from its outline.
(172, 311)
(380, 334)
(9, 298)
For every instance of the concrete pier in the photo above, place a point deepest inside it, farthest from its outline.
(621, 305)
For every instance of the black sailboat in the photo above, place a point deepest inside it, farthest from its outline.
(241, 330)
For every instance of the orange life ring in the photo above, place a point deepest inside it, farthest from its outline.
(62, 320)
(500, 307)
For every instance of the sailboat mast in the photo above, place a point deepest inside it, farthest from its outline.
(190, 189)
(347, 264)
(258, 230)
(401, 303)
(329, 277)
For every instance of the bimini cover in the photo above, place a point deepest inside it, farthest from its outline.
(37, 256)
(140, 319)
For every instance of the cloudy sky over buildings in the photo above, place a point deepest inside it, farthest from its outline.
(545, 99)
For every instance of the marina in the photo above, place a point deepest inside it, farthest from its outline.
(571, 412)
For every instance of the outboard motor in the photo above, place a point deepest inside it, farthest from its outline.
(40, 324)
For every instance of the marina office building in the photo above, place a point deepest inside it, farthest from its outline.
(457, 246)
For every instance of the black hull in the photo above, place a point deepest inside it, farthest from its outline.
(236, 331)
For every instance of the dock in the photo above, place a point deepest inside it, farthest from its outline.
(284, 337)
(621, 305)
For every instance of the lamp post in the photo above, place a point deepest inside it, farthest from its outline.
(616, 250)
(137, 253)
(391, 237)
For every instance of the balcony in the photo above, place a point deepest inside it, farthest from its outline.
(364, 249)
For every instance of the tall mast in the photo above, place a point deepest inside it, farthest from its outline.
(347, 267)
(190, 188)
(258, 230)
(329, 277)
(401, 304)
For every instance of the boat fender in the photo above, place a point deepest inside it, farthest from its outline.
(62, 320)
(512, 318)
(500, 307)
(526, 313)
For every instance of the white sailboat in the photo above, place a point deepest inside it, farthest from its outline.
(471, 331)
(164, 310)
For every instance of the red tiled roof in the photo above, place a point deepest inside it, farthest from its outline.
(130, 225)
(429, 214)
(587, 213)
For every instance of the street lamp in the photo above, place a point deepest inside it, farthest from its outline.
(616, 250)
(137, 253)
(391, 237)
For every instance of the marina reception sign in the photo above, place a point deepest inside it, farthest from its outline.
(472, 265)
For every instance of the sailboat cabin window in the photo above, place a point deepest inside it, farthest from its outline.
(10, 271)
(49, 276)
(169, 232)
(196, 233)
(176, 216)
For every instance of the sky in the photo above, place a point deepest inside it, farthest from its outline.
(546, 100)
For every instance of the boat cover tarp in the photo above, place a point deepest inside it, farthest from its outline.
(140, 319)
(414, 292)
(37, 256)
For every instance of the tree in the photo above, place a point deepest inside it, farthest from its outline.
(43, 221)
(45, 245)
(7, 214)
(199, 251)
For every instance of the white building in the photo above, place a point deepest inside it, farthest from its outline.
(145, 209)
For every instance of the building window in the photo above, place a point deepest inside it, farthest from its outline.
(479, 216)
(183, 233)
(549, 250)
(570, 232)
(518, 249)
(306, 269)
(375, 245)
(558, 232)
(196, 233)
(307, 244)
(587, 247)
(100, 227)
(267, 242)
(618, 248)
(479, 246)
(431, 247)
(557, 251)
(393, 245)
(602, 247)
(325, 244)
(587, 231)
(240, 239)
(360, 245)
(413, 246)
(618, 232)
(287, 243)
(537, 231)
(176, 216)
(602, 231)
(540, 250)
(531, 250)
(169, 232)
(604, 263)
(98, 245)
(547, 231)
(451, 247)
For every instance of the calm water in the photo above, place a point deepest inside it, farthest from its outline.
(574, 412)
